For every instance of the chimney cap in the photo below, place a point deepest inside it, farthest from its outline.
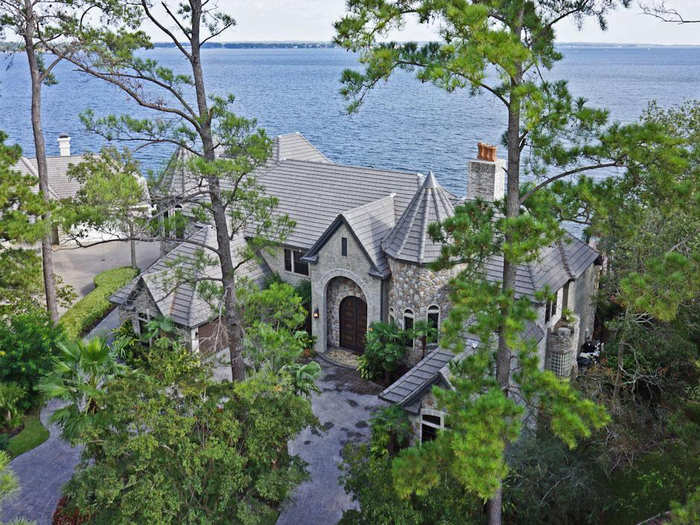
(64, 136)
(486, 152)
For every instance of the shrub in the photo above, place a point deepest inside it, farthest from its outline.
(4, 442)
(391, 431)
(11, 398)
(92, 308)
(384, 349)
(27, 346)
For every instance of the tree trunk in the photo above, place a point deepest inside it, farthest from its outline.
(40, 151)
(132, 245)
(503, 354)
(231, 320)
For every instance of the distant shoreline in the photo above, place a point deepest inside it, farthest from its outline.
(13, 46)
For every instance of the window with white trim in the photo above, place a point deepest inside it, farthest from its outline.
(431, 421)
(434, 323)
(408, 319)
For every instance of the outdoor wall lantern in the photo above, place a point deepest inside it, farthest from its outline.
(316, 313)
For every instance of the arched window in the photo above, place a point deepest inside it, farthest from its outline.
(434, 323)
(179, 223)
(408, 319)
(392, 317)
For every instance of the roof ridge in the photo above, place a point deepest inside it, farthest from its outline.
(351, 166)
(564, 260)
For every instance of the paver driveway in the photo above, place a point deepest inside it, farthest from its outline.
(343, 408)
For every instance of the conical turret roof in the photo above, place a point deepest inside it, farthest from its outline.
(409, 240)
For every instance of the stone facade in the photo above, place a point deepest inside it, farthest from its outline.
(562, 346)
(325, 295)
(416, 288)
(274, 258)
(142, 306)
(486, 180)
(338, 289)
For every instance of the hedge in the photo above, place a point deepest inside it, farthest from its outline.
(92, 308)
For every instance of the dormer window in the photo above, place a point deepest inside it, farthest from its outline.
(344, 246)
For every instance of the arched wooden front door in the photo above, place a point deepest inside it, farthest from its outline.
(353, 323)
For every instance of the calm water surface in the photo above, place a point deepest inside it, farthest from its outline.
(403, 125)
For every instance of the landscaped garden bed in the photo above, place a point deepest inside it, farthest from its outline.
(30, 434)
(91, 309)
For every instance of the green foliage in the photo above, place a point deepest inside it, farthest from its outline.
(80, 368)
(272, 317)
(20, 222)
(391, 431)
(27, 346)
(92, 308)
(12, 397)
(689, 513)
(8, 480)
(32, 435)
(384, 349)
(172, 446)
(368, 476)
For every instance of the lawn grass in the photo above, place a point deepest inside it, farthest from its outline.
(92, 308)
(32, 435)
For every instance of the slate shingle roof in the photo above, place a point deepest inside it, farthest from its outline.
(431, 370)
(369, 223)
(314, 193)
(564, 260)
(409, 240)
(295, 146)
(418, 379)
(60, 185)
(180, 301)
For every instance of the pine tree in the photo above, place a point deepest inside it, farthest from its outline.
(502, 47)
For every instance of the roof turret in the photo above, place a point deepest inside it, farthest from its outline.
(409, 240)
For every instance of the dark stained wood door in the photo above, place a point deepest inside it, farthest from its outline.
(353, 323)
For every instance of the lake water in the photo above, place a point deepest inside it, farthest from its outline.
(403, 125)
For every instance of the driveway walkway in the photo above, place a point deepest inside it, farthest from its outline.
(41, 473)
(343, 408)
(44, 470)
(79, 266)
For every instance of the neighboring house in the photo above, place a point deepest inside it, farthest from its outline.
(61, 186)
(361, 239)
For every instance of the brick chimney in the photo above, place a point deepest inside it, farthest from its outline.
(64, 145)
(487, 175)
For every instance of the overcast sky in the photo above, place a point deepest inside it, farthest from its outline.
(276, 20)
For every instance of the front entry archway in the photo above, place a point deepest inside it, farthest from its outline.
(353, 323)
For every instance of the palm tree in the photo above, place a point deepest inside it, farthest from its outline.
(80, 370)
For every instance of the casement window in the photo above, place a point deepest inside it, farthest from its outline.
(431, 421)
(293, 262)
(344, 246)
(392, 316)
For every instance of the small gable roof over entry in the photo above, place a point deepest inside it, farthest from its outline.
(369, 224)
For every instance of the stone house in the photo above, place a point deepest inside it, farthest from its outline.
(361, 240)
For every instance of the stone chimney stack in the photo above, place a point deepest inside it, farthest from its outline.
(487, 175)
(64, 145)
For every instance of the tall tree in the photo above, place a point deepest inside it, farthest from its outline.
(502, 47)
(29, 19)
(220, 150)
(20, 222)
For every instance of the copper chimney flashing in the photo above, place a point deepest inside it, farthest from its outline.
(487, 152)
